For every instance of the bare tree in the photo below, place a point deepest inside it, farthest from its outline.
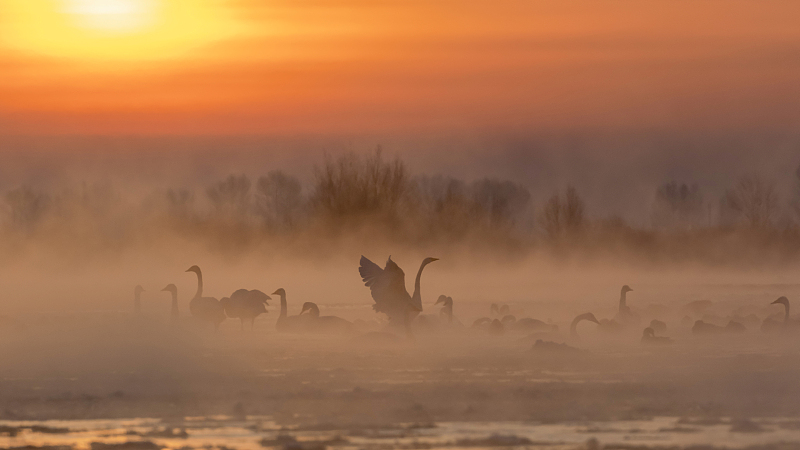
(230, 197)
(564, 215)
(27, 207)
(352, 185)
(753, 201)
(678, 206)
(278, 199)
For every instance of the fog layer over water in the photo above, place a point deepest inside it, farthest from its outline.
(720, 368)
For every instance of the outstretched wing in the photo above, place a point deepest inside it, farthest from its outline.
(387, 285)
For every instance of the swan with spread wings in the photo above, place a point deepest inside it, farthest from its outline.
(388, 288)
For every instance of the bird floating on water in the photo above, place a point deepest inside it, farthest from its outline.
(206, 309)
(649, 337)
(325, 324)
(573, 328)
(174, 314)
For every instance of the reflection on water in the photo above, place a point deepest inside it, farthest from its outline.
(255, 432)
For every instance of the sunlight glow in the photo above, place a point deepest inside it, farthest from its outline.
(112, 15)
(112, 30)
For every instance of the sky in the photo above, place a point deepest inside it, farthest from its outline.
(228, 67)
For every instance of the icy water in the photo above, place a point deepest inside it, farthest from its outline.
(262, 432)
(108, 380)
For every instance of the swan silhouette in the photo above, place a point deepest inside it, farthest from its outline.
(245, 305)
(447, 307)
(206, 309)
(649, 337)
(287, 323)
(573, 328)
(174, 314)
(325, 324)
(388, 289)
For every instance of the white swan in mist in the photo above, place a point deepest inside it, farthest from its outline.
(325, 324)
(447, 307)
(245, 305)
(287, 323)
(701, 328)
(388, 289)
(624, 316)
(769, 324)
(137, 299)
(649, 337)
(206, 309)
(573, 327)
(527, 324)
(491, 326)
(174, 314)
(496, 310)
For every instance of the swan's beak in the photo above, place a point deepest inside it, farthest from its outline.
(434, 259)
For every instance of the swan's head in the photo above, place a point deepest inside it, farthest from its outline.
(591, 318)
(138, 289)
(427, 261)
(442, 299)
(649, 332)
(311, 307)
(194, 269)
(171, 288)
(508, 319)
(781, 300)
(280, 292)
(626, 288)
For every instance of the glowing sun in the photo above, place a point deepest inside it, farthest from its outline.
(113, 30)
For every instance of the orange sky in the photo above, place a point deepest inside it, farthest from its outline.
(322, 66)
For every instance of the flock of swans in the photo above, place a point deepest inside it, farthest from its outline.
(404, 312)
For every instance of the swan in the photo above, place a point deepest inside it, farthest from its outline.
(701, 327)
(649, 337)
(287, 323)
(207, 309)
(137, 299)
(573, 328)
(245, 305)
(770, 324)
(499, 310)
(527, 324)
(174, 315)
(325, 324)
(447, 307)
(491, 326)
(624, 314)
(388, 289)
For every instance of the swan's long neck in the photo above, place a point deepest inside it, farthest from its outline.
(314, 310)
(622, 300)
(417, 297)
(174, 313)
(573, 328)
(284, 308)
(199, 292)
